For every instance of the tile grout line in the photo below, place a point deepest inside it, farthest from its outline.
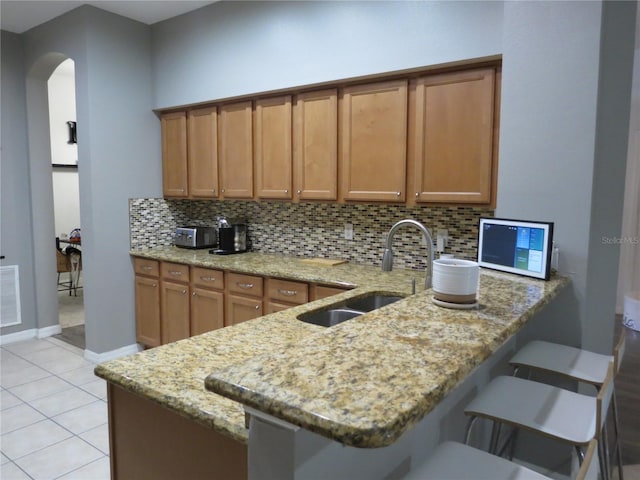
(72, 386)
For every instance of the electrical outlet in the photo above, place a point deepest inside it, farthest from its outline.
(441, 240)
(348, 231)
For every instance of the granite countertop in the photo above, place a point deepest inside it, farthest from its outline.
(363, 382)
(173, 375)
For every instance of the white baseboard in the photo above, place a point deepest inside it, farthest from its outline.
(49, 331)
(30, 334)
(112, 354)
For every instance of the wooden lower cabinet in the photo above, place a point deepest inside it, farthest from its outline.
(175, 311)
(175, 301)
(147, 311)
(207, 300)
(207, 310)
(240, 309)
(148, 441)
(323, 291)
(282, 294)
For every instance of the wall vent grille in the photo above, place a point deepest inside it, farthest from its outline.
(9, 296)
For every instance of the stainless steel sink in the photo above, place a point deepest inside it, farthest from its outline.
(329, 318)
(343, 311)
(372, 302)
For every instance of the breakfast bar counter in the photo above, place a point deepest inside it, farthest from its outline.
(362, 383)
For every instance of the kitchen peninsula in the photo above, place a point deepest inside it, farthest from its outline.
(367, 382)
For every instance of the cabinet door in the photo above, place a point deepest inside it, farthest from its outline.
(272, 147)
(236, 150)
(174, 154)
(373, 141)
(315, 145)
(240, 309)
(203, 153)
(207, 310)
(324, 291)
(147, 311)
(453, 140)
(273, 307)
(175, 311)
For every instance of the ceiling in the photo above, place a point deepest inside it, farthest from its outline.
(18, 16)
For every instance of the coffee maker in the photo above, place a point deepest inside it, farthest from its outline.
(232, 236)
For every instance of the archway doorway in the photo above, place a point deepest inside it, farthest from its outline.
(66, 202)
(42, 196)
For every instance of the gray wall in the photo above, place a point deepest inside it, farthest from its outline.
(15, 202)
(119, 158)
(563, 141)
(234, 48)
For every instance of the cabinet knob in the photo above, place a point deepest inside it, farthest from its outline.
(257, 307)
(299, 192)
(397, 194)
(222, 190)
(213, 190)
(154, 284)
(417, 194)
(286, 191)
(194, 294)
(184, 291)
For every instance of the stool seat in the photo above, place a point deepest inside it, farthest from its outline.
(575, 363)
(554, 412)
(455, 461)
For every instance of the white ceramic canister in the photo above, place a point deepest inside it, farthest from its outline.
(455, 280)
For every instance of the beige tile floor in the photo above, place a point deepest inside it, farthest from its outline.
(53, 413)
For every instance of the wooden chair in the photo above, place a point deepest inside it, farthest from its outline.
(64, 266)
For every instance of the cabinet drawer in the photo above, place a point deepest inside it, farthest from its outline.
(175, 271)
(245, 284)
(144, 266)
(207, 278)
(296, 293)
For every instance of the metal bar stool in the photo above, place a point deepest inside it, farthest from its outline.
(455, 461)
(569, 417)
(575, 364)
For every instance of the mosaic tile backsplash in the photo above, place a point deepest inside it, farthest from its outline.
(313, 229)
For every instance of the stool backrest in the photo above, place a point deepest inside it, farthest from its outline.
(618, 352)
(587, 463)
(604, 399)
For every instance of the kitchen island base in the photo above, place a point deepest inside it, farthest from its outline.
(278, 449)
(148, 441)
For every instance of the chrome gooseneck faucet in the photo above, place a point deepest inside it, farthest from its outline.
(387, 258)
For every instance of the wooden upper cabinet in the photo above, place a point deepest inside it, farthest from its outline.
(272, 147)
(373, 141)
(202, 153)
(174, 154)
(315, 145)
(452, 143)
(235, 153)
